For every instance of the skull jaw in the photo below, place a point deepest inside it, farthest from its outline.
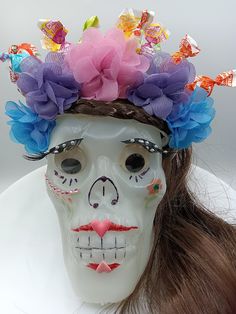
(112, 286)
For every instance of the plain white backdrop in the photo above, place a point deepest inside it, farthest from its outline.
(211, 23)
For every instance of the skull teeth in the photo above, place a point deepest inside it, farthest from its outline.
(114, 247)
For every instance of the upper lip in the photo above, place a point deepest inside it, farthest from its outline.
(113, 227)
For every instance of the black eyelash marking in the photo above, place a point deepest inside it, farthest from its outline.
(66, 146)
(58, 175)
(64, 179)
(140, 176)
(144, 172)
(149, 146)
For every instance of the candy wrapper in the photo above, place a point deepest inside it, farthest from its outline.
(188, 48)
(223, 79)
(23, 48)
(154, 35)
(135, 23)
(54, 35)
(129, 20)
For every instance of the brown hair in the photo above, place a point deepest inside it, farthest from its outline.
(192, 267)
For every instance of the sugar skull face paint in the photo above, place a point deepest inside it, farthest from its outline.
(106, 222)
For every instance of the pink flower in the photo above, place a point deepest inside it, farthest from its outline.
(106, 65)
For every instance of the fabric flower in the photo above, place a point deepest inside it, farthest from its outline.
(48, 88)
(28, 128)
(163, 86)
(106, 65)
(190, 122)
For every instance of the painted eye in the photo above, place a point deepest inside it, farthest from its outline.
(135, 163)
(71, 165)
(71, 162)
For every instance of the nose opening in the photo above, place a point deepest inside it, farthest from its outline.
(103, 191)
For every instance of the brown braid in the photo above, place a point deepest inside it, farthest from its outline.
(120, 108)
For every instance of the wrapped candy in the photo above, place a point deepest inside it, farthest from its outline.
(132, 21)
(54, 35)
(145, 21)
(93, 21)
(188, 48)
(139, 24)
(154, 35)
(16, 54)
(223, 79)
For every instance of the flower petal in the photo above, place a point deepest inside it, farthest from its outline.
(108, 91)
(162, 106)
(85, 70)
(26, 83)
(147, 90)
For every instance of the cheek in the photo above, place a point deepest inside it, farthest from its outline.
(66, 196)
(155, 191)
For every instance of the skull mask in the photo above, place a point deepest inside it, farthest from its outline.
(105, 180)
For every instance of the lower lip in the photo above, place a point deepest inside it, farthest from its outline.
(95, 266)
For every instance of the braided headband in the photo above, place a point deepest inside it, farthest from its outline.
(112, 74)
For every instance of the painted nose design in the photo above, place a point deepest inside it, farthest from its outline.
(103, 191)
(101, 227)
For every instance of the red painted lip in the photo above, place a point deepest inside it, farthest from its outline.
(113, 227)
(95, 266)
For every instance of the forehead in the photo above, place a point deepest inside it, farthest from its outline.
(99, 128)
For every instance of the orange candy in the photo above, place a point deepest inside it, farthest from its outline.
(223, 79)
(187, 48)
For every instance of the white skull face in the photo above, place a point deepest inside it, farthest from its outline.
(105, 180)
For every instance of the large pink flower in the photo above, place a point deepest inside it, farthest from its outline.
(106, 65)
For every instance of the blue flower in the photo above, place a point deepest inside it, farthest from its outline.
(28, 128)
(190, 122)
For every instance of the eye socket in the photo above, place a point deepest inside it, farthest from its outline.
(71, 165)
(72, 161)
(135, 163)
(134, 158)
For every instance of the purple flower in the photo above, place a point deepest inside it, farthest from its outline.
(163, 86)
(48, 86)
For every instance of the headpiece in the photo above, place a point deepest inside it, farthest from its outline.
(124, 63)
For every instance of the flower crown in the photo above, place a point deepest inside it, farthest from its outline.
(126, 62)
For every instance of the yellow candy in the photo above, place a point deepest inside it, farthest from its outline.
(128, 21)
(50, 45)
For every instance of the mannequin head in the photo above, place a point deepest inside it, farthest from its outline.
(116, 118)
(113, 190)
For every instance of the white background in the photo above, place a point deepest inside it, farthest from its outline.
(211, 23)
